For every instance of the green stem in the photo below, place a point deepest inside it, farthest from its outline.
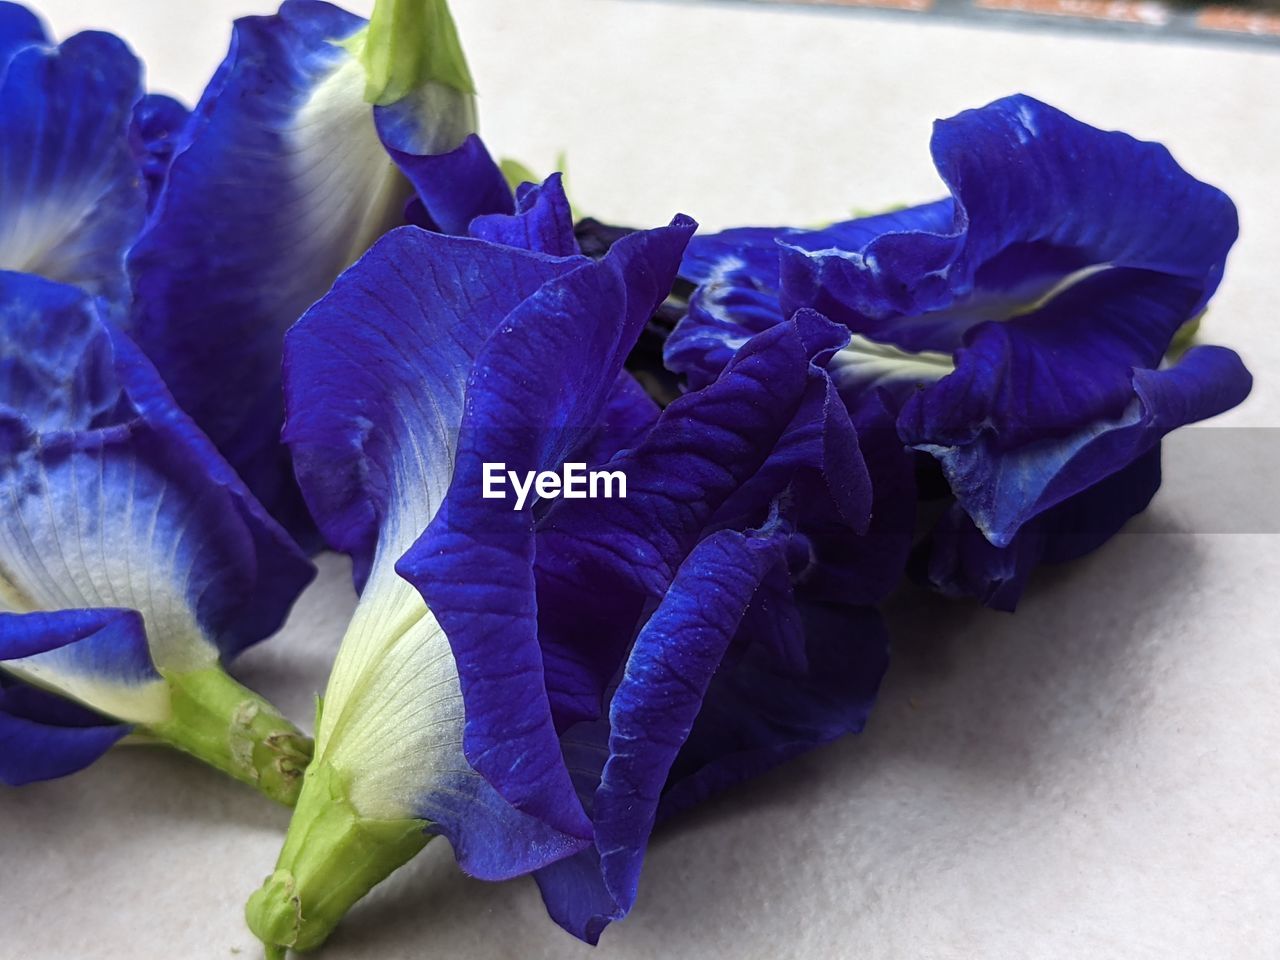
(331, 858)
(230, 727)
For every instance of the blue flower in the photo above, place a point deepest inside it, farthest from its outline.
(497, 654)
(305, 147)
(71, 196)
(689, 633)
(133, 562)
(1019, 330)
(432, 354)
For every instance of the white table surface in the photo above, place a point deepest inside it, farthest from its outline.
(1096, 777)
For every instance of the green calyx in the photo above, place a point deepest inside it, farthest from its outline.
(408, 44)
(516, 173)
(230, 727)
(332, 857)
(1185, 337)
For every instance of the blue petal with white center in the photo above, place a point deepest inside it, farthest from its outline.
(280, 180)
(418, 360)
(474, 564)
(129, 549)
(72, 198)
(96, 657)
(375, 460)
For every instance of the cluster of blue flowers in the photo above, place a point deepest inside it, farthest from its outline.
(311, 310)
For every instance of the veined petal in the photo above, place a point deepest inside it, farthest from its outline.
(411, 690)
(474, 565)
(374, 442)
(602, 564)
(740, 709)
(392, 728)
(1002, 489)
(542, 221)
(376, 375)
(114, 498)
(98, 658)
(71, 196)
(1055, 370)
(259, 215)
(763, 708)
(281, 182)
(628, 416)
(1068, 200)
(652, 711)
(717, 458)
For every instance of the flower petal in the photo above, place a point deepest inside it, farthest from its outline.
(455, 187)
(629, 415)
(19, 28)
(652, 759)
(71, 198)
(962, 562)
(542, 221)
(1002, 489)
(762, 710)
(651, 714)
(158, 125)
(1055, 370)
(1038, 198)
(43, 737)
(717, 457)
(97, 657)
(114, 497)
(375, 376)
(280, 183)
(474, 565)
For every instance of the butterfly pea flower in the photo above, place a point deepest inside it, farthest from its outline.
(133, 562)
(1020, 331)
(72, 197)
(689, 637)
(307, 144)
(431, 356)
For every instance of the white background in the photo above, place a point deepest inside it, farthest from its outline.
(1097, 777)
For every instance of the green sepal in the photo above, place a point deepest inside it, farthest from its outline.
(331, 858)
(516, 173)
(407, 44)
(1184, 337)
(230, 727)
